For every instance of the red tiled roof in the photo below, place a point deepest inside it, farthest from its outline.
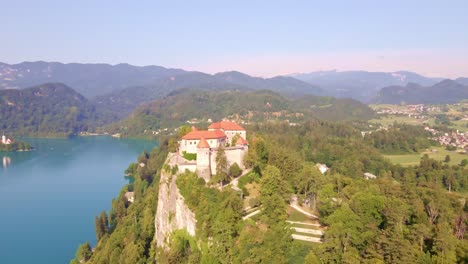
(214, 134)
(226, 125)
(203, 143)
(241, 141)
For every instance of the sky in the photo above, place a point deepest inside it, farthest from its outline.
(261, 38)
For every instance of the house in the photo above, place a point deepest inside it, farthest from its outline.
(322, 168)
(206, 143)
(368, 175)
(130, 197)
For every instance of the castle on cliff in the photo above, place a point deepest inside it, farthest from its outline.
(206, 143)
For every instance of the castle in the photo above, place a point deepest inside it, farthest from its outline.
(206, 143)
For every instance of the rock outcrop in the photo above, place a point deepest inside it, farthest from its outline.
(172, 212)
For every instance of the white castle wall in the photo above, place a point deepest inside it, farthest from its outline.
(233, 155)
(190, 146)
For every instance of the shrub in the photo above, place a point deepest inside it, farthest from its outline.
(189, 156)
(235, 170)
(254, 202)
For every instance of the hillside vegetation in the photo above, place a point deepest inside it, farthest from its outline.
(406, 215)
(51, 109)
(123, 102)
(250, 106)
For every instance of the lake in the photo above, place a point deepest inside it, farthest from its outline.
(49, 196)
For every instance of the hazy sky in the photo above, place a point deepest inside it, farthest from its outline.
(263, 38)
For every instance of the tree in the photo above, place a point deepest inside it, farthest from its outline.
(101, 225)
(184, 130)
(464, 162)
(308, 182)
(235, 170)
(274, 194)
(83, 253)
(234, 139)
(447, 159)
(221, 167)
(97, 227)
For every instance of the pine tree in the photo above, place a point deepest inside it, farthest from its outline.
(221, 166)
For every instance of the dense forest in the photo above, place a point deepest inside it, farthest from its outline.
(412, 214)
(255, 106)
(400, 139)
(51, 109)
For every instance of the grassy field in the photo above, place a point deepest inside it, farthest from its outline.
(390, 119)
(254, 192)
(413, 159)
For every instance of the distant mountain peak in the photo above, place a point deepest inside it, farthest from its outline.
(445, 91)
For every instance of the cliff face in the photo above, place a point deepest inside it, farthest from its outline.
(172, 212)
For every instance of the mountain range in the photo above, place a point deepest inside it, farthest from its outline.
(93, 80)
(125, 100)
(361, 85)
(444, 92)
(88, 79)
(121, 88)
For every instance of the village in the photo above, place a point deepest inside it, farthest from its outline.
(455, 139)
(453, 115)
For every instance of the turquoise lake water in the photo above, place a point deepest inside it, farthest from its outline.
(49, 196)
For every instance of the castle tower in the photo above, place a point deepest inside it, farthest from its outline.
(203, 159)
(243, 148)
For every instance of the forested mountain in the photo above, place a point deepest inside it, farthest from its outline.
(88, 79)
(124, 101)
(51, 109)
(463, 81)
(248, 106)
(281, 84)
(361, 85)
(444, 92)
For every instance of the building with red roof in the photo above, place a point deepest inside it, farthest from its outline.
(230, 129)
(241, 142)
(205, 144)
(226, 125)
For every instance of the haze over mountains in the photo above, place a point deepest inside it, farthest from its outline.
(444, 92)
(121, 88)
(361, 85)
(88, 79)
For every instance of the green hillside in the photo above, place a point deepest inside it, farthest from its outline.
(247, 106)
(51, 109)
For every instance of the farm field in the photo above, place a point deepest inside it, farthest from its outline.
(413, 159)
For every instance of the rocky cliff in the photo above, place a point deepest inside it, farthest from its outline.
(172, 212)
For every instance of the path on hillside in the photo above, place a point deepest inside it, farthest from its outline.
(294, 205)
(251, 214)
(235, 182)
